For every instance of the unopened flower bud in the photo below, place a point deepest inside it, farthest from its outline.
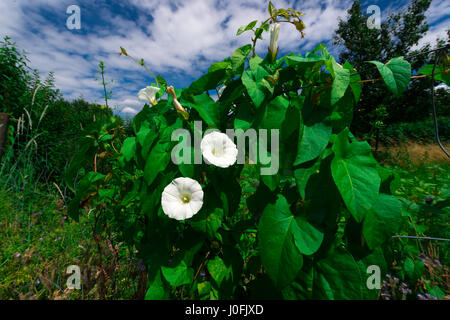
(176, 103)
(274, 33)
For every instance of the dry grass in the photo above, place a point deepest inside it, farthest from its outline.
(414, 152)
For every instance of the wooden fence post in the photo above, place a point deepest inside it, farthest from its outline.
(4, 122)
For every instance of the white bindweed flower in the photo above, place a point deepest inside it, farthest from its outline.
(149, 94)
(218, 149)
(274, 33)
(182, 198)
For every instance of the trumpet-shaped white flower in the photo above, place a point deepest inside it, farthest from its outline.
(274, 33)
(149, 94)
(218, 149)
(182, 198)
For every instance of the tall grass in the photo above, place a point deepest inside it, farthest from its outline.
(19, 169)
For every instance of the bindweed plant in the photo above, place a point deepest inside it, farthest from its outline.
(321, 211)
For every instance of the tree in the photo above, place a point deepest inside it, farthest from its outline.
(14, 77)
(397, 35)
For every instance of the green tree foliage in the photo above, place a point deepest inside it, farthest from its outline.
(14, 78)
(398, 34)
(62, 126)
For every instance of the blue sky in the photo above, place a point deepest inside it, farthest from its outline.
(178, 39)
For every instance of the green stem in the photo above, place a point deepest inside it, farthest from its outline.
(102, 71)
(148, 70)
(263, 23)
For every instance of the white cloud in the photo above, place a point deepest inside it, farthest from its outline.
(129, 110)
(438, 31)
(438, 9)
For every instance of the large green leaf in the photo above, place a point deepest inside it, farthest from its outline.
(148, 140)
(314, 140)
(275, 113)
(293, 119)
(188, 169)
(323, 201)
(247, 27)
(250, 83)
(271, 181)
(211, 80)
(160, 154)
(341, 82)
(338, 277)
(375, 257)
(129, 148)
(244, 117)
(334, 276)
(302, 287)
(140, 118)
(355, 175)
(294, 60)
(269, 170)
(86, 186)
(257, 87)
(233, 91)
(207, 109)
(342, 114)
(148, 133)
(87, 183)
(239, 56)
(280, 255)
(157, 161)
(259, 200)
(208, 221)
(396, 74)
(307, 237)
(382, 221)
(354, 81)
(223, 65)
(157, 289)
(255, 62)
(444, 76)
(151, 196)
(303, 174)
(218, 270)
(178, 275)
(142, 134)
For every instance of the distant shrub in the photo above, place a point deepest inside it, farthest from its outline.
(423, 131)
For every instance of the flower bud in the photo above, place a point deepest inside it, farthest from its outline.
(274, 33)
(176, 103)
